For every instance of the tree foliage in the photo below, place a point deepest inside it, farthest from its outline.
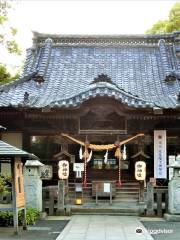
(7, 32)
(7, 40)
(5, 76)
(169, 25)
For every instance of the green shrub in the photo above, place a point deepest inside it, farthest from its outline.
(6, 217)
(3, 185)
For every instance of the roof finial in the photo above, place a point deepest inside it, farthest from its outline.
(26, 97)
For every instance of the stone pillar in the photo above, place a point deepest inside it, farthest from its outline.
(150, 199)
(174, 194)
(61, 198)
(33, 184)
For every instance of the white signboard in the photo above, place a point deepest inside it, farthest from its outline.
(160, 154)
(140, 170)
(172, 160)
(107, 187)
(78, 167)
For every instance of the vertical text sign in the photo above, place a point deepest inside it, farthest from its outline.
(160, 154)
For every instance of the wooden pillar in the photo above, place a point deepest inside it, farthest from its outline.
(15, 210)
(26, 141)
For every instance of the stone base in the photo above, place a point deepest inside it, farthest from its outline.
(61, 212)
(43, 215)
(172, 217)
(68, 210)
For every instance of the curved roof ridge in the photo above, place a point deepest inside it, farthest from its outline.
(102, 91)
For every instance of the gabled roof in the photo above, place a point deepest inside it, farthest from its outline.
(7, 150)
(60, 71)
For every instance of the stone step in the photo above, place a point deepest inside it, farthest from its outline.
(126, 193)
(105, 211)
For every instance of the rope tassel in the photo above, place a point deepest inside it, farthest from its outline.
(86, 154)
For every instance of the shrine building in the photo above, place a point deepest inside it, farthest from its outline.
(106, 101)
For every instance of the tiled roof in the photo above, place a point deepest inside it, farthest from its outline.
(60, 71)
(7, 150)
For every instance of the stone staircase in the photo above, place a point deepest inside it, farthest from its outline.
(128, 192)
(126, 201)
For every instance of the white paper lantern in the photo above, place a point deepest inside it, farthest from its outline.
(140, 170)
(63, 171)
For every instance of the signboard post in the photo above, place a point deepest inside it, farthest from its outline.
(160, 154)
(18, 192)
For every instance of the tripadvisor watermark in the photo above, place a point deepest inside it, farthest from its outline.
(151, 231)
(160, 231)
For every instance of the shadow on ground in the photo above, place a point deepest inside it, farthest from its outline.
(43, 230)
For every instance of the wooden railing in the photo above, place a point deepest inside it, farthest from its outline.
(161, 196)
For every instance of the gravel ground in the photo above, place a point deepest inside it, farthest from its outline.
(43, 230)
(162, 230)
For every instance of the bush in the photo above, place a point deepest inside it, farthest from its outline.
(3, 185)
(6, 217)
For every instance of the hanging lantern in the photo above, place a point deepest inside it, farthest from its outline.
(63, 171)
(140, 170)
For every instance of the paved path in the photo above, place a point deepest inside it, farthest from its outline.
(102, 227)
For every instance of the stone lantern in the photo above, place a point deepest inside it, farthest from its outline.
(33, 184)
(174, 193)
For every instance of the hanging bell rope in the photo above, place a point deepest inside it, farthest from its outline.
(85, 156)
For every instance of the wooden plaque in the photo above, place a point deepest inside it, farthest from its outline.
(19, 183)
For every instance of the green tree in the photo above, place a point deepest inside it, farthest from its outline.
(7, 40)
(169, 25)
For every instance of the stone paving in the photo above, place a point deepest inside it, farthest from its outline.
(103, 227)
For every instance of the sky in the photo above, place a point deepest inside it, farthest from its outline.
(82, 17)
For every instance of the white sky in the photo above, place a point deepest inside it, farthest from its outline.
(84, 17)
